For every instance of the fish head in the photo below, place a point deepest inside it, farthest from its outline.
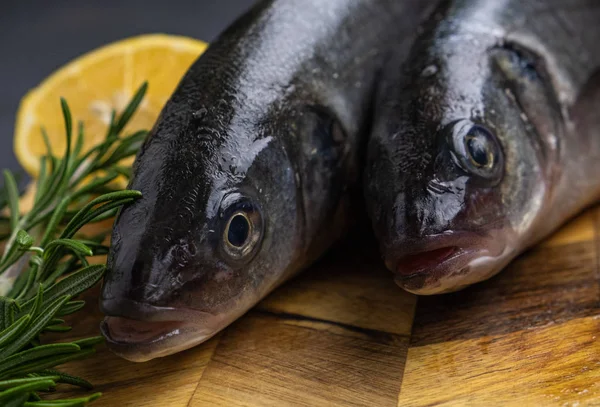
(460, 160)
(216, 229)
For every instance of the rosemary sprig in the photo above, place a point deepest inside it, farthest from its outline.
(44, 265)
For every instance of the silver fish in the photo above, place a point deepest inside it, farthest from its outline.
(249, 173)
(486, 138)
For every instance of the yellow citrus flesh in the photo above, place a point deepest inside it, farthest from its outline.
(95, 84)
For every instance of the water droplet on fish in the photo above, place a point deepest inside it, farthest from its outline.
(553, 141)
(524, 117)
(429, 71)
(510, 94)
(476, 112)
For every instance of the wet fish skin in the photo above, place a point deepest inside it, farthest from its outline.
(262, 137)
(517, 80)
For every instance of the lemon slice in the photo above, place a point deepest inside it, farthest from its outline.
(95, 84)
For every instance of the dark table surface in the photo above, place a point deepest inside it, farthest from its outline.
(39, 36)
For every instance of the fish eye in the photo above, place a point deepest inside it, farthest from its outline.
(238, 230)
(479, 147)
(242, 232)
(477, 150)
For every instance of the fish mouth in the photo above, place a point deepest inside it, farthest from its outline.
(417, 272)
(139, 332)
(439, 263)
(425, 261)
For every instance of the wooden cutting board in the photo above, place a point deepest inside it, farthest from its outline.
(342, 334)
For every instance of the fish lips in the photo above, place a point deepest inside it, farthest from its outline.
(139, 332)
(427, 266)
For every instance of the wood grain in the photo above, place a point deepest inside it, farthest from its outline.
(527, 337)
(337, 335)
(351, 287)
(558, 364)
(301, 363)
(342, 334)
(537, 289)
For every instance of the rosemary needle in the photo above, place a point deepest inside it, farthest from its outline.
(43, 264)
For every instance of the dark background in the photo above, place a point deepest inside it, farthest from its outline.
(39, 36)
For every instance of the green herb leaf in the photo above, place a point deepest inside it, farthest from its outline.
(61, 377)
(14, 330)
(57, 328)
(12, 192)
(47, 142)
(64, 403)
(43, 263)
(88, 342)
(4, 384)
(73, 245)
(37, 353)
(76, 283)
(24, 240)
(57, 215)
(46, 363)
(34, 329)
(131, 108)
(80, 219)
(71, 307)
(80, 139)
(18, 400)
(7, 312)
(41, 384)
(37, 301)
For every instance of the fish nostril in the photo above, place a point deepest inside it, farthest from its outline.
(181, 257)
